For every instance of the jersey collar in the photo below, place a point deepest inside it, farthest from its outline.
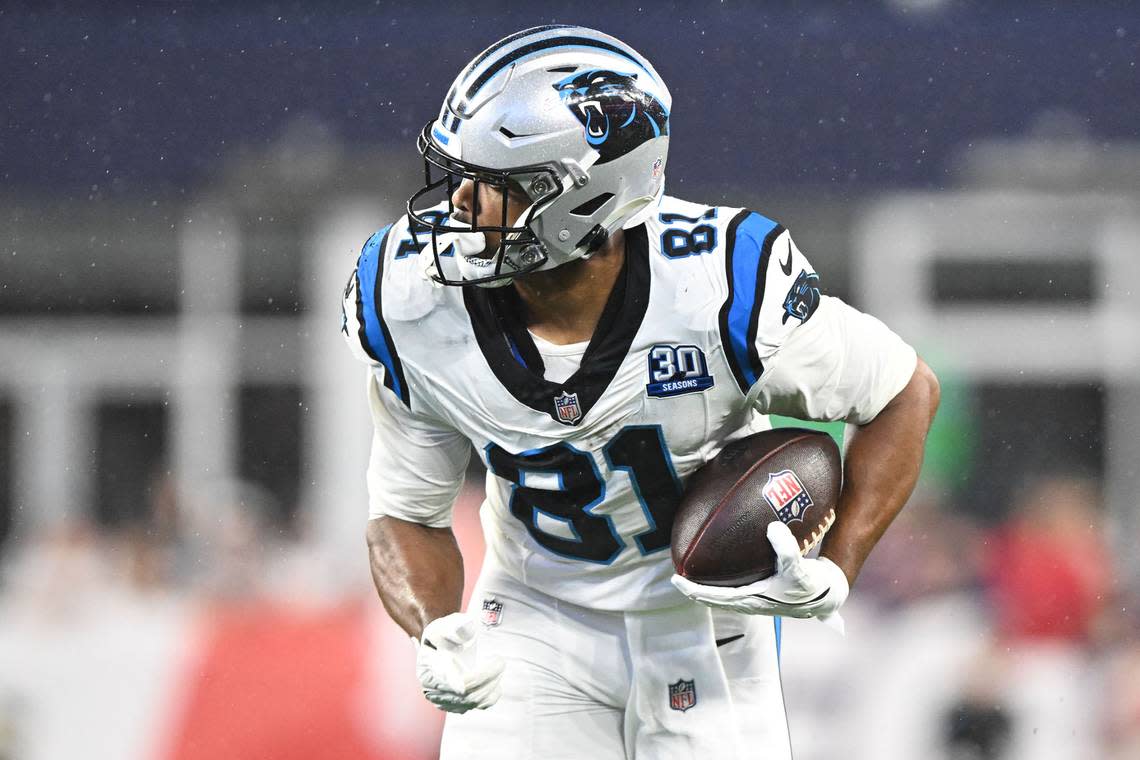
(510, 352)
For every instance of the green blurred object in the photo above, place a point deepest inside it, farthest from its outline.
(952, 443)
(834, 429)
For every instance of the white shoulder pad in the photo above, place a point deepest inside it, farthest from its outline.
(389, 285)
(772, 289)
(790, 295)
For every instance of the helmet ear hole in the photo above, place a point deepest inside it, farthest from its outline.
(590, 207)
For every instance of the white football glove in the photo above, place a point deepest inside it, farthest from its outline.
(451, 674)
(801, 588)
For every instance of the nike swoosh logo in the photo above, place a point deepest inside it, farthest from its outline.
(729, 639)
(512, 136)
(794, 604)
(786, 266)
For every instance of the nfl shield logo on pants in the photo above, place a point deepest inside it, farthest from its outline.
(492, 612)
(569, 411)
(682, 695)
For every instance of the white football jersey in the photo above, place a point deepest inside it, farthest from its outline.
(715, 319)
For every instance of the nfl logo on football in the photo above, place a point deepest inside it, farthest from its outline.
(787, 495)
(682, 695)
(569, 411)
(492, 612)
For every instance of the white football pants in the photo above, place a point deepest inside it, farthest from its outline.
(580, 684)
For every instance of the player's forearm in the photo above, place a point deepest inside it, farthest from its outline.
(881, 467)
(418, 571)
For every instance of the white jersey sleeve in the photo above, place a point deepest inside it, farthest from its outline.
(820, 358)
(417, 464)
(418, 459)
(841, 364)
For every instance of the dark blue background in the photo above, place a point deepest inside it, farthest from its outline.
(843, 96)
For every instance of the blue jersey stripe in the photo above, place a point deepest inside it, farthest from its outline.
(378, 342)
(515, 351)
(750, 243)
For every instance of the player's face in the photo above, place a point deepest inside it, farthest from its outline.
(490, 208)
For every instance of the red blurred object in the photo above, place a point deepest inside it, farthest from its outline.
(275, 683)
(279, 681)
(1049, 569)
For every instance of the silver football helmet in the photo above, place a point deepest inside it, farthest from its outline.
(575, 121)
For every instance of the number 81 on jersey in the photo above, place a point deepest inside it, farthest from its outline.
(674, 370)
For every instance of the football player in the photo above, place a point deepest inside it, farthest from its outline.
(597, 341)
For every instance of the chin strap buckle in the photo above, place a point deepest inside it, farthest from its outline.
(593, 240)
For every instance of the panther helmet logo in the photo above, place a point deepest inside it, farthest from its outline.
(617, 114)
(803, 297)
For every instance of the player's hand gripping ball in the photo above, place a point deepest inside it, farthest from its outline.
(749, 515)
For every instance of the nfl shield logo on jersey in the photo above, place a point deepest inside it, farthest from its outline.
(682, 695)
(492, 612)
(787, 495)
(569, 411)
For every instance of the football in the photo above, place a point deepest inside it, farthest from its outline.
(720, 528)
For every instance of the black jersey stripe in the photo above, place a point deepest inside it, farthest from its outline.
(730, 252)
(758, 299)
(398, 384)
(746, 267)
(374, 334)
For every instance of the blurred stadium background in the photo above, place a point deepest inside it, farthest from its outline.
(183, 190)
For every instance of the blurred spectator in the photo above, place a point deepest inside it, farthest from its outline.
(1049, 569)
(929, 549)
(10, 714)
(58, 574)
(1120, 700)
(1048, 574)
(977, 730)
(978, 725)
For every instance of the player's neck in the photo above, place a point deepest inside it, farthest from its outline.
(564, 305)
